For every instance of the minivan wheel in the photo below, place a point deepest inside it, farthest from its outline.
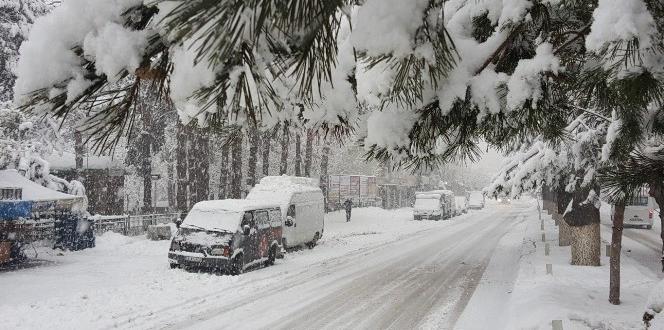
(314, 241)
(237, 266)
(271, 256)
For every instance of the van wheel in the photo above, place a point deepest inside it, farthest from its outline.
(237, 265)
(314, 241)
(271, 255)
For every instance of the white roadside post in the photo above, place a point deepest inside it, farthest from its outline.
(546, 249)
(557, 325)
(549, 269)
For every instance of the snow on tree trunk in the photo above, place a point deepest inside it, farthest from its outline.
(324, 161)
(181, 168)
(283, 165)
(298, 155)
(562, 200)
(657, 192)
(266, 153)
(308, 152)
(583, 219)
(223, 171)
(616, 245)
(236, 168)
(254, 141)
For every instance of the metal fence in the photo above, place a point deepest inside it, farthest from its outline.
(132, 225)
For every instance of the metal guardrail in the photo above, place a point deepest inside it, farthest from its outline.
(132, 225)
(128, 225)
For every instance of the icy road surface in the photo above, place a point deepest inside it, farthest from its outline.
(382, 270)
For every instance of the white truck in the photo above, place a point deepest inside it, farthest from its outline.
(428, 205)
(302, 205)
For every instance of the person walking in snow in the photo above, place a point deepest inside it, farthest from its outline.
(348, 205)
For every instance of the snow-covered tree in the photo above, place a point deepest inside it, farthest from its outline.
(16, 18)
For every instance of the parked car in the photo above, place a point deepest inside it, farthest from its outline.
(475, 200)
(302, 206)
(449, 209)
(640, 211)
(428, 205)
(461, 204)
(227, 235)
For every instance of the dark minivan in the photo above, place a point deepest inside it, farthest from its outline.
(227, 235)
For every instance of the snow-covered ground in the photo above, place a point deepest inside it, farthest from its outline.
(381, 269)
(578, 296)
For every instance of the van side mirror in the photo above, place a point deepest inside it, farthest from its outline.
(246, 229)
(289, 222)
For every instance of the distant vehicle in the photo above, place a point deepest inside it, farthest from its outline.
(640, 211)
(449, 209)
(461, 204)
(505, 200)
(428, 205)
(227, 235)
(475, 200)
(302, 206)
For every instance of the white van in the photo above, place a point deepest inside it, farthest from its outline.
(475, 200)
(449, 209)
(302, 205)
(640, 211)
(461, 204)
(428, 205)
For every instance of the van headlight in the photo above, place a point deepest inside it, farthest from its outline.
(220, 251)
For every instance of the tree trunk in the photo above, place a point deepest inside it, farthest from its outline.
(308, 153)
(181, 169)
(236, 168)
(202, 165)
(193, 164)
(586, 245)
(146, 158)
(583, 218)
(79, 153)
(266, 153)
(298, 155)
(562, 200)
(254, 141)
(616, 245)
(283, 165)
(324, 160)
(657, 192)
(223, 171)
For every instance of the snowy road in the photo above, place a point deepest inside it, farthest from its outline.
(382, 270)
(424, 279)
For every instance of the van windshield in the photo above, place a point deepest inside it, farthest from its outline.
(211, 219)
(426, 204)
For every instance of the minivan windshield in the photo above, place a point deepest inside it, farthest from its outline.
(426, 204)
(211, 219)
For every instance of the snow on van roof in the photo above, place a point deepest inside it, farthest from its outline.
(427, 195)
(236, 205)
(280, 189)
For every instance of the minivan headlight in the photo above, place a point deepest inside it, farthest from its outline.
(220, 251)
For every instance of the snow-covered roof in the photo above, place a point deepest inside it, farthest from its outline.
(67, 160)
(31, 191)
(443, 192)
(280, 189)
(235, 205)
(427, 195)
